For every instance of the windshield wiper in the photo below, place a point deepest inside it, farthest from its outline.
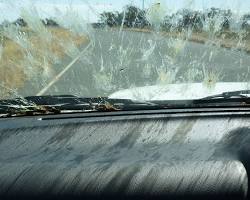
(226, 99)
(44, 105)
(227, 95)
(20, 106)
(240, 96)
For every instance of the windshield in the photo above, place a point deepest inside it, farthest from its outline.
(129, 49)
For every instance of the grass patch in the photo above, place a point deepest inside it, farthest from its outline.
(28, 55)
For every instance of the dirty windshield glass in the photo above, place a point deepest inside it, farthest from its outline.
(132, 49)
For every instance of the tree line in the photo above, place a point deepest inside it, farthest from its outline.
(134, 17)
(183, 19)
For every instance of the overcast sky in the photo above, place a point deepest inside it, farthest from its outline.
(10, 9)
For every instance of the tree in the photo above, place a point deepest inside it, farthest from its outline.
(213, 12)
(20, 22)
(49, 22)
(130, 17)
(188, 19)
(246, 22)
(226, 17)
(167, 23)
(135, 17)
(109, 18)
(219, 19)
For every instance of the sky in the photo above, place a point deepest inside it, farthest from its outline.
(10, 9)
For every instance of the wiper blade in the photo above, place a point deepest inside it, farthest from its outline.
(41, 105)
(46, 105)
(232, 96)
(19, 106)
(227, 95)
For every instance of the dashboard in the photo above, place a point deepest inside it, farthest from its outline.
(172, 153)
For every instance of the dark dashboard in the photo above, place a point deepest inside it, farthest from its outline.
(171, 153)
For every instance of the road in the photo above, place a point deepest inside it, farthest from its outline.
(120, 60)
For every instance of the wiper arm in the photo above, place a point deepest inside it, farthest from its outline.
(233, 96)
(227, 95)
